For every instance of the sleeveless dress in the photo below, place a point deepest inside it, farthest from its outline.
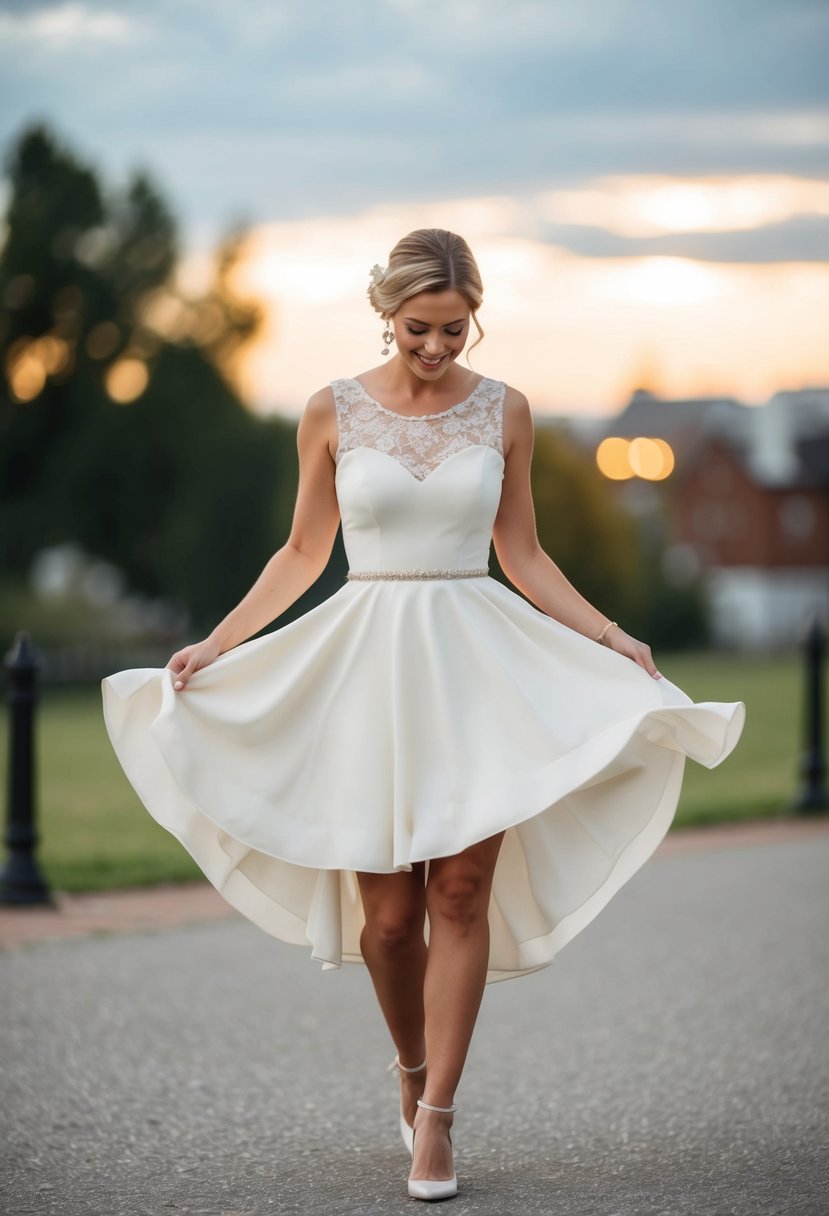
(422, 707)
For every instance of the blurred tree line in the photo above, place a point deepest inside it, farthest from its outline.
(613, 558)
(120, 429)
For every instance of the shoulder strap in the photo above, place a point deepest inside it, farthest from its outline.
(350, 402)
(488, 408)
(338, 388)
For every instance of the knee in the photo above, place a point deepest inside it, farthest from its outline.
(396, 929)
(460, 899)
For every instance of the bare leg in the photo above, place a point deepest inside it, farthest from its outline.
(394, 950)
(457, 901)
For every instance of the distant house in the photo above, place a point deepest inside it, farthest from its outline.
(748, 506)
(679, 421)
(754, 509)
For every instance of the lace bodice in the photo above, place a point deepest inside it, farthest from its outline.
(419, 444)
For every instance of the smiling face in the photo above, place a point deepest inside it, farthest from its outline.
(430, 330)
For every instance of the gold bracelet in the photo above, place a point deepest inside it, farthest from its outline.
(609, 625)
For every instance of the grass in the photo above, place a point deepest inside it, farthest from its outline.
(96, 834)
(94, 831)
(759, 778)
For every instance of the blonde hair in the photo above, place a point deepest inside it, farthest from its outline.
(428, 259)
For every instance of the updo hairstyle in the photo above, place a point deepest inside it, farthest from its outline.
(428, 259)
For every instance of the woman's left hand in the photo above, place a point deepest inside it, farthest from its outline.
(616, 639)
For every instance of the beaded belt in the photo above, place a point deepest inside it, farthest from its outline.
(370, 575)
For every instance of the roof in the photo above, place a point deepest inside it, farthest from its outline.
(784, 443)
(678, 421)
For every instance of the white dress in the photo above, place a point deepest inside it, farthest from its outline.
(406, 718)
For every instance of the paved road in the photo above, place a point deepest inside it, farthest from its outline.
(673, 1060)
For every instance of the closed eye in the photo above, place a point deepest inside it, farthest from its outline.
(418, 333)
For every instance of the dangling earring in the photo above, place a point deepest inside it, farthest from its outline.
(388, 338)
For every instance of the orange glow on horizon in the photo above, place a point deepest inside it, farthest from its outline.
(571, 331)
(653, 205)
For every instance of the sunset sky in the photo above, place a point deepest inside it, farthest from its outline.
(645, 184)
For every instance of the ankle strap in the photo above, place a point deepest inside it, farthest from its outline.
(395, 1064)
(443, 1110)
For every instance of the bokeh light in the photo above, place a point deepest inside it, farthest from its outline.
(126, 380)
(55, 353)
(651, 459)
(25, 370)
(612, 458)
(30, 360)
(620, 459)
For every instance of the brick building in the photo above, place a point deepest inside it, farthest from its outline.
(747, 506)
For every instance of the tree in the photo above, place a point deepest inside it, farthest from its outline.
(119, 428)
(580, 527)
(605, 553)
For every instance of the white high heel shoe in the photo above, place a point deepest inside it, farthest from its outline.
(428, 1188)
(406, 1132)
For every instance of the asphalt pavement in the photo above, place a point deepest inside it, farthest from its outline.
(673, 1060)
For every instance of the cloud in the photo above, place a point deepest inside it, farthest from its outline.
(757, 219)
(65, 27)
(803, 238)
(491, 25)
(279, 110)
(571, 331)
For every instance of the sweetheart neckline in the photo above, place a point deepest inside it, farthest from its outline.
(364, 447)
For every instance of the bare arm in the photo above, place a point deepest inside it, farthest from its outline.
(303, 557)
(523, 560)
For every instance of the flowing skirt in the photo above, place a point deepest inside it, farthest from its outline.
(402, 721)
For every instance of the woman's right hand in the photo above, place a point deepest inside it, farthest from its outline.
(192, 658)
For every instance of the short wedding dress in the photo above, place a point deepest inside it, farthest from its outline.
(422, 707)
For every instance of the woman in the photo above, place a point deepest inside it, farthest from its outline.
(426, 773)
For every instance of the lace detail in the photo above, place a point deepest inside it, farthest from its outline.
(419, 444)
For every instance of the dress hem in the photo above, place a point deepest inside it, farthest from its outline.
(320, 926)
